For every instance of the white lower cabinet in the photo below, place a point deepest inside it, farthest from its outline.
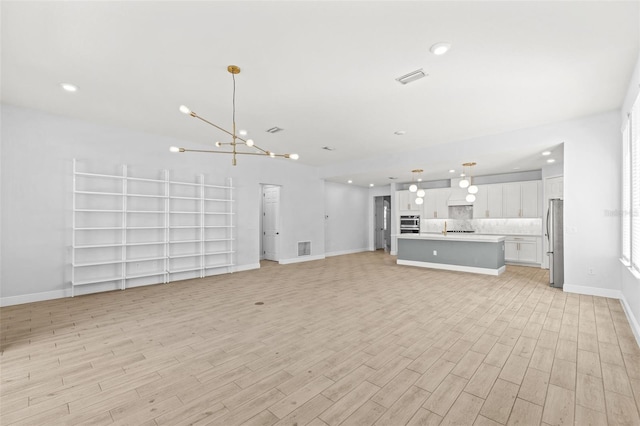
(522, 250)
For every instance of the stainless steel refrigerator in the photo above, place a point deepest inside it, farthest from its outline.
(556, 244)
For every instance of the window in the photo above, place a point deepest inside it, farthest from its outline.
(626, 195)
(631, 188)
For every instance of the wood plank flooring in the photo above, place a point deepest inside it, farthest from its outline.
(350, 340)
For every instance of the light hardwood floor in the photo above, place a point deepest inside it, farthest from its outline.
(350, 340)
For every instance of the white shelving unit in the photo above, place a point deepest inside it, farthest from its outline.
(133, 231)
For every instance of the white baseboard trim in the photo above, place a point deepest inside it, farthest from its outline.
(34, 297)
(393, 253)
(457, 268)
(301, 259)
(343, 252)
(247, 267)
(633, 321)
(592, 291)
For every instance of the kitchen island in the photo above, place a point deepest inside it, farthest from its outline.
(481, 254)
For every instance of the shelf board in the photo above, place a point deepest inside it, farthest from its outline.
(175, 197)
(226, 265)
(145, 227)
(146, 259)
(98, 175)
(146, 274)
(218, 252)
(145, 211)
(146, 196)
(98, 193)
(99, 210)
(184, 241)
(219, 226)
(182, 256)
(222, 213)
(103, 228)
(218, 239)
(184, 212)
(98, 246)
(185, 270)
(219, 199)
(146, 243)
(110, 262)
(96, 281)
(147, 180)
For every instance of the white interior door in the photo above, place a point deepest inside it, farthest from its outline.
(271, 222)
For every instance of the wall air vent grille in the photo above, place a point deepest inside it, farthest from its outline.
(304, 248)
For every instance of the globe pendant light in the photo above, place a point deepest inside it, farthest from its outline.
(413, 187)
(464, 183)
(420, 193)
(470, 198)
(419, 201)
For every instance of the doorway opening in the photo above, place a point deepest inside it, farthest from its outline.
(382, 222)
(270, 223)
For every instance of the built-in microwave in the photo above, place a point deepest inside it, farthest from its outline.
(410, 224)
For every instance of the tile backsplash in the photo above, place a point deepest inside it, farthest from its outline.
(529, 226)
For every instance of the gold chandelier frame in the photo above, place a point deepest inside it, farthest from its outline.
(236, 140)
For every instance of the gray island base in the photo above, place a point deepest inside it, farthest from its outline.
(480, 254)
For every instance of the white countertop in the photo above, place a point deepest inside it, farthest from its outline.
(454, 237)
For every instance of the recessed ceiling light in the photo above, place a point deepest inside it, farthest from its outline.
(399, 132)
(516, 168)
(69, 87)
(328, 148)
(440, 48)
(551, 160)
(242, 132)
(419, 179)
(412, 76)
(349, 181)
(452, 171)
(370, 184)
(545, 153)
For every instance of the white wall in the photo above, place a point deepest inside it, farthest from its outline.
(346, 207)
(592, 151)
(36, 166)
(630, 283)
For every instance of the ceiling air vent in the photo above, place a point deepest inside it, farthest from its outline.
(274, 129)
(328, 148)
(412, 76)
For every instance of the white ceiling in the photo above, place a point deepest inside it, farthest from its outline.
(323, 71)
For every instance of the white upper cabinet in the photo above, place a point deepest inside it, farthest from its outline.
(407, 202)
(488, 201)
(435, 204)
(521, 199)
